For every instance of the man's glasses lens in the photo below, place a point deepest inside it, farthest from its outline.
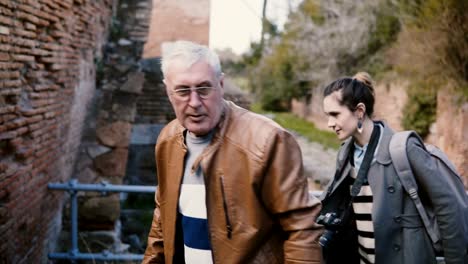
(184, 93)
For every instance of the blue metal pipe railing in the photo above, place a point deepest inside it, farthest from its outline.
(102, 187)
(73, 187)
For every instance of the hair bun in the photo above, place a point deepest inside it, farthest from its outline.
(366, 79)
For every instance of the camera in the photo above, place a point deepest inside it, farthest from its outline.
(332, 224)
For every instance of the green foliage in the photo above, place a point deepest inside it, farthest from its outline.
(252, 58)
(382, 35)
(304, 128)
(437, 45)
(420, 110)
(273, 69)
(313, 10)
(386, 30)
(274, 80)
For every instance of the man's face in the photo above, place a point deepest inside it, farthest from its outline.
(197, 110)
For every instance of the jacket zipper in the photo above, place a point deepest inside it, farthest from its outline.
(228, 221)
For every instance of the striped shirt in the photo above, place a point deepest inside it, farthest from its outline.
(362, 206)
(192, 205)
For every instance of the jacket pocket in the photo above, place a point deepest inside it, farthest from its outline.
(226, 212)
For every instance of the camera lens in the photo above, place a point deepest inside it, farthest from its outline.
(326, 238)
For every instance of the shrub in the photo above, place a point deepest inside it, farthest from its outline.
(420, 110)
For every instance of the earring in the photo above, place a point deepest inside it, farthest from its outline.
(359, 125)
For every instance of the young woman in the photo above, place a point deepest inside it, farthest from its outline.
(368, 216)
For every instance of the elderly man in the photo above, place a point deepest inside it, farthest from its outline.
(231, 187)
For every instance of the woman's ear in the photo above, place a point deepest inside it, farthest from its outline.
(361, 110)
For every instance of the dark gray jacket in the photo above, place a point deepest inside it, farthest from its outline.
(400, 236)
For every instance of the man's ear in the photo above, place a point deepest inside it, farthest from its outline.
(167, 90)
(221, 83)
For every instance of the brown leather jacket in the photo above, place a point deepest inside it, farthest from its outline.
(258, 204)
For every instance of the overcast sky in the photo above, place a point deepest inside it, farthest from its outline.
(236, 23)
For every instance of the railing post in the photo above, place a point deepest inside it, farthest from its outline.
(74, 218)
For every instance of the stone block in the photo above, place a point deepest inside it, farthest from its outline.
(113, 163)
(134, 83)
(95, 150)
(115, 134)
(99, 212)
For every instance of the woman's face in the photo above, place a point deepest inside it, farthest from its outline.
(342, 120)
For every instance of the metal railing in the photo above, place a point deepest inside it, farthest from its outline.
(73, 187)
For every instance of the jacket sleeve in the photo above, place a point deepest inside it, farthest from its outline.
(285, 193)
(444, 202)
(155, 249)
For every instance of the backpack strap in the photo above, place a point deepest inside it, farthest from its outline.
(402, 166)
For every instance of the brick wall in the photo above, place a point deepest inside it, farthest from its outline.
(176, 20)
(47, 49)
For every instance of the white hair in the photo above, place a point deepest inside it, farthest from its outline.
(190, 53)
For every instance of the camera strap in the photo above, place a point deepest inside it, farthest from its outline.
(366, 163)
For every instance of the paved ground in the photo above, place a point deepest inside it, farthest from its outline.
(319, 163)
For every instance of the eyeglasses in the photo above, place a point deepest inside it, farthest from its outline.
(183, 94)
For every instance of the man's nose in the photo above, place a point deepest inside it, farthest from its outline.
(194, 99)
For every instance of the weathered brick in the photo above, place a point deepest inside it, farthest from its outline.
(22, 130)
(9, 83)
(24, 153)
(30, 26)
(8, 117)
(7, 109)
(18, 41)
(6, 20)
(23, 58)
(16, 142)
(8, 135)
(7, 47)
(31, 18)
(4, 56)
(24, 33)
(18, 122)
(9, 74)
(6, 11)
(10, 65)
(49, 115)
(6, 3)
(45, 87)
(65, 3)
(34, 119)
(36, 12)
(4, 30)
(32, 112)
(50, 3)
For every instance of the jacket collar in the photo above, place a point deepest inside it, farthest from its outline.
(383, 153)
(220, 128)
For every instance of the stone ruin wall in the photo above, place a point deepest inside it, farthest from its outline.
(47, 79)
(449, 132)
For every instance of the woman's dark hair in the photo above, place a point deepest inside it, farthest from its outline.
(354, 90)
